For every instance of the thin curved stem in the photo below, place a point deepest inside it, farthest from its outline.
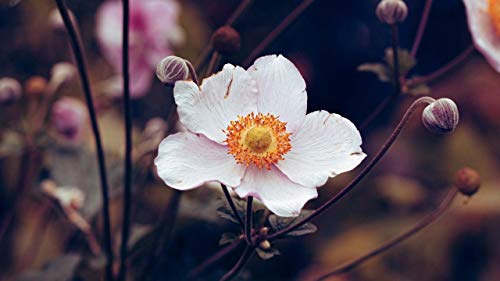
(445, 69)
(366, 170)
(232, 206)
(207, 51)
(277, 31)
(127, 181)
(213, 259)
(192, 72)
(248, 221)
(421, 28)
(247, 253)
(82, 69)
(428, 220)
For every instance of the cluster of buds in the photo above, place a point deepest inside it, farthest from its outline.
(392, 11)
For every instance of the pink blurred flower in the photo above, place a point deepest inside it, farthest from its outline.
(248, 129)
(484, 23)
(68, 118)
(153, 28)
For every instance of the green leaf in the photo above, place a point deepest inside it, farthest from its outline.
(406, 61)
(267, 254)
(381, 70)
(227, 238)
(279, 223)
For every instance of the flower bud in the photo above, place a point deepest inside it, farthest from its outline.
(68, 118)
(265, 245)
(35, 86)
(63, 72)
(264, 231)
(226, 40)
(441, 116)
(392, 11)
(171, 69)
(10, 90)
(468, 181)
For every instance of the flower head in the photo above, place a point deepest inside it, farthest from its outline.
(484, 24)
(248, 129)
(151, 24)
(68, 118)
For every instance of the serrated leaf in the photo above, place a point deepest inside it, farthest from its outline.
(267, 254)
(279, 223)
(227, 238)
(406, 61)
(381, 70)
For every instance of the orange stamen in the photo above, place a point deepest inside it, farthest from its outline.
(259, 139)
(494, 12)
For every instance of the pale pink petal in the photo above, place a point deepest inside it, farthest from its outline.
(108, 31)
(223, 96)
(325, 146)
(141, 78)
(186, 161)
(486, 37)
(280, 195)
(282, 90)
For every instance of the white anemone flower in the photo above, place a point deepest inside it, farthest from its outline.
(248, 129)
(484, 24)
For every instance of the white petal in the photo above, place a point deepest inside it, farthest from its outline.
(280, 195)
(486, 37)
(325, 146)
(223, 96)
(282, 90)
(186, 161)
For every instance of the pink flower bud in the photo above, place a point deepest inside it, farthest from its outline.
(392, 11)
(171, 69)
(468, 181)
(10, 91)
(68, 118)
(441, 116)
(63, 72)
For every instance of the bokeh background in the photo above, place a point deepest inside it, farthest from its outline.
(327, 43)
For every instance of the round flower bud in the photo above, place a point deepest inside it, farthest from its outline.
(441, 116)
(68, 118)
(10, 90)
(63, 72)
(392, 11)
(35, 86)
(226, 40)
(265, 245)
(468, 181)
(171, 69)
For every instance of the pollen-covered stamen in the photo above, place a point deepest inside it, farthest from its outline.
(259, 139)
(494, 12)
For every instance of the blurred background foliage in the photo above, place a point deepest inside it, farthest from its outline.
(327, 44)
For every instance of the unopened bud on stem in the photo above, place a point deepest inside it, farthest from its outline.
(226, 40)
(35, 86)
(441, 116)
(172, 69)
(63, 72)
(392, 11)
(468, 181)
(10, 90)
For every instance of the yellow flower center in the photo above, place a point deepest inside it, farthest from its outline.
(494, 12)
(259, 139)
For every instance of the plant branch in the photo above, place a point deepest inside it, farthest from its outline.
(82, 69)
(428, 220)
(248, 221)
(366, 170)
(421, 28)
(231, 204)
(247, 253)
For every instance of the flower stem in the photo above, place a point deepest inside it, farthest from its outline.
(192, 72)
(428, 220)
(247, 253)
(397, 80)
(233, 207)
(248, 221)
(421, 28)
(127, 180)
(213, 259)
(82, 69)
(443, 70)
(277, 31)
(363, 173)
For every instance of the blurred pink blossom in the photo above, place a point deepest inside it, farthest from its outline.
(68, 118)
(153, 31)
